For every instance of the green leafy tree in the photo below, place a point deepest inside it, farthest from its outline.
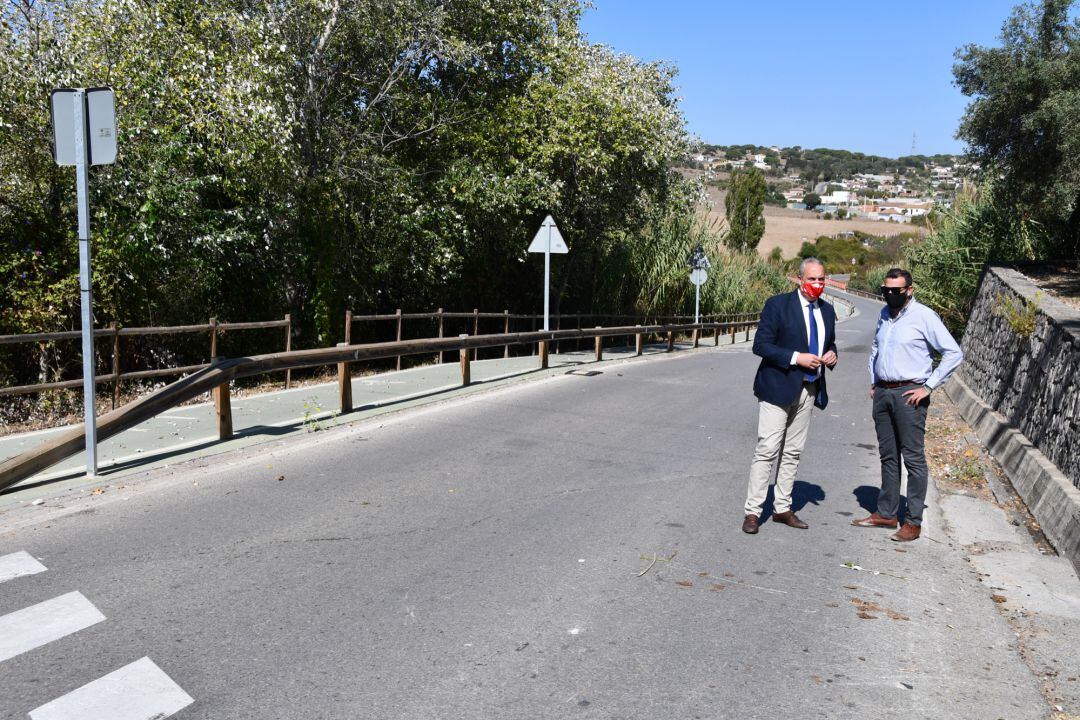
(811, 200)
(1021, 125)
(744, 206)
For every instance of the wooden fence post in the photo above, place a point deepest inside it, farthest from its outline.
(476, 331)
(213, 339)
(543, 354)
(716, 335)
(599, 346)
(222, 407)
(288, 347)
(466, 375)
(506, 331)
(748, 332)
(399, 336)
(344, 378)
(115, 363)
(348, 327)
(639, 340)
(670, 340)
(533, 321)
(696, 336)
(439, 317)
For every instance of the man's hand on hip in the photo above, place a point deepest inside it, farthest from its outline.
(809, 361)
(916, 396)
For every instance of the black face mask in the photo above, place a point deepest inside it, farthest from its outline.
(895, 301)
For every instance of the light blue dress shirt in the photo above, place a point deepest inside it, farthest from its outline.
(904, 347)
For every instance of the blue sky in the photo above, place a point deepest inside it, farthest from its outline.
(860, 76)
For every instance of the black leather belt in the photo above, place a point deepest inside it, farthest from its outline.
(898, 384)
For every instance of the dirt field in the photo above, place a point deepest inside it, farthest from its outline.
(786, 228)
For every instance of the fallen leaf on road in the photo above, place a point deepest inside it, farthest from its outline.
(832, 604)
(97, 491)
(703, 574)
(717, 587)
(853, 566)
(684, 583)
(852, 587)
(280, 478)
(865, 616)
(865, 606)
(998, 598)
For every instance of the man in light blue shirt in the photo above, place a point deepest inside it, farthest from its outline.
(902, 376)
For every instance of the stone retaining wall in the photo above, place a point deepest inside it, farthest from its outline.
(1034, 381)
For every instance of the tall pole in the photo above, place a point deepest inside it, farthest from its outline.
(547, 280)
(82, 166)
(697, 304)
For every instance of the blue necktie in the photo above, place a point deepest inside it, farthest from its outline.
(812, 375)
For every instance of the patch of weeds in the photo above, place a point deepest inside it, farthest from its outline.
(311, 420)
(1021, 314)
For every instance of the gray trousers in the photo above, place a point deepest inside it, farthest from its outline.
(900, 431)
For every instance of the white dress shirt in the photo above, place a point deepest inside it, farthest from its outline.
(819, 350)
(904, 347)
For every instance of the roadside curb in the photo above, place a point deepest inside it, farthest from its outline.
(1048, 494)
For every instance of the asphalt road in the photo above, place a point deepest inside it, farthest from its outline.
(567, 548)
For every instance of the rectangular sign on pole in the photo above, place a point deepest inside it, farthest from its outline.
(63, 123)
(101, 119)
(99, 113)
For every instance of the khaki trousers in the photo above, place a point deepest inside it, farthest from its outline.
(781, 431)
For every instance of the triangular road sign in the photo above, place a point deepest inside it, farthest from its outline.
(548, 232)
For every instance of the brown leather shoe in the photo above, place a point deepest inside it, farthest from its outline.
(790, 519)
(750, 525)
(907, 533)
(875, 520)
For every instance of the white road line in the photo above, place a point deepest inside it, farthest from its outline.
(19, 564)
(139, 691)
(40, 624)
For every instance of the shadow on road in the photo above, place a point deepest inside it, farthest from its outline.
(802, 494)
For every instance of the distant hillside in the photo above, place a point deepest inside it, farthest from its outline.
(825, 164)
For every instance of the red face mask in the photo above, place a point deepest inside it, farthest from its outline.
(813, 290)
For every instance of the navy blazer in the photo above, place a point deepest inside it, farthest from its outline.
(781, 332)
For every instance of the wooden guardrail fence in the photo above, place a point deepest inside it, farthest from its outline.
(115, 333)
(221, 371)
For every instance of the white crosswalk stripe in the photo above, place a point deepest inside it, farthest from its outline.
(40, 624)
(19, 564)
(139, 691)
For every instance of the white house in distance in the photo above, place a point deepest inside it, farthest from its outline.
(896, 209)
(838, 198)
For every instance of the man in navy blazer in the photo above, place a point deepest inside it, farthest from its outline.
(796, 340)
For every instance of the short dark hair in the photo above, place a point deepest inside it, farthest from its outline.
(899, 273)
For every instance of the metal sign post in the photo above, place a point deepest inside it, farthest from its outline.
(548, 240)
(699, 273)
(82, 191)
(84, 134)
